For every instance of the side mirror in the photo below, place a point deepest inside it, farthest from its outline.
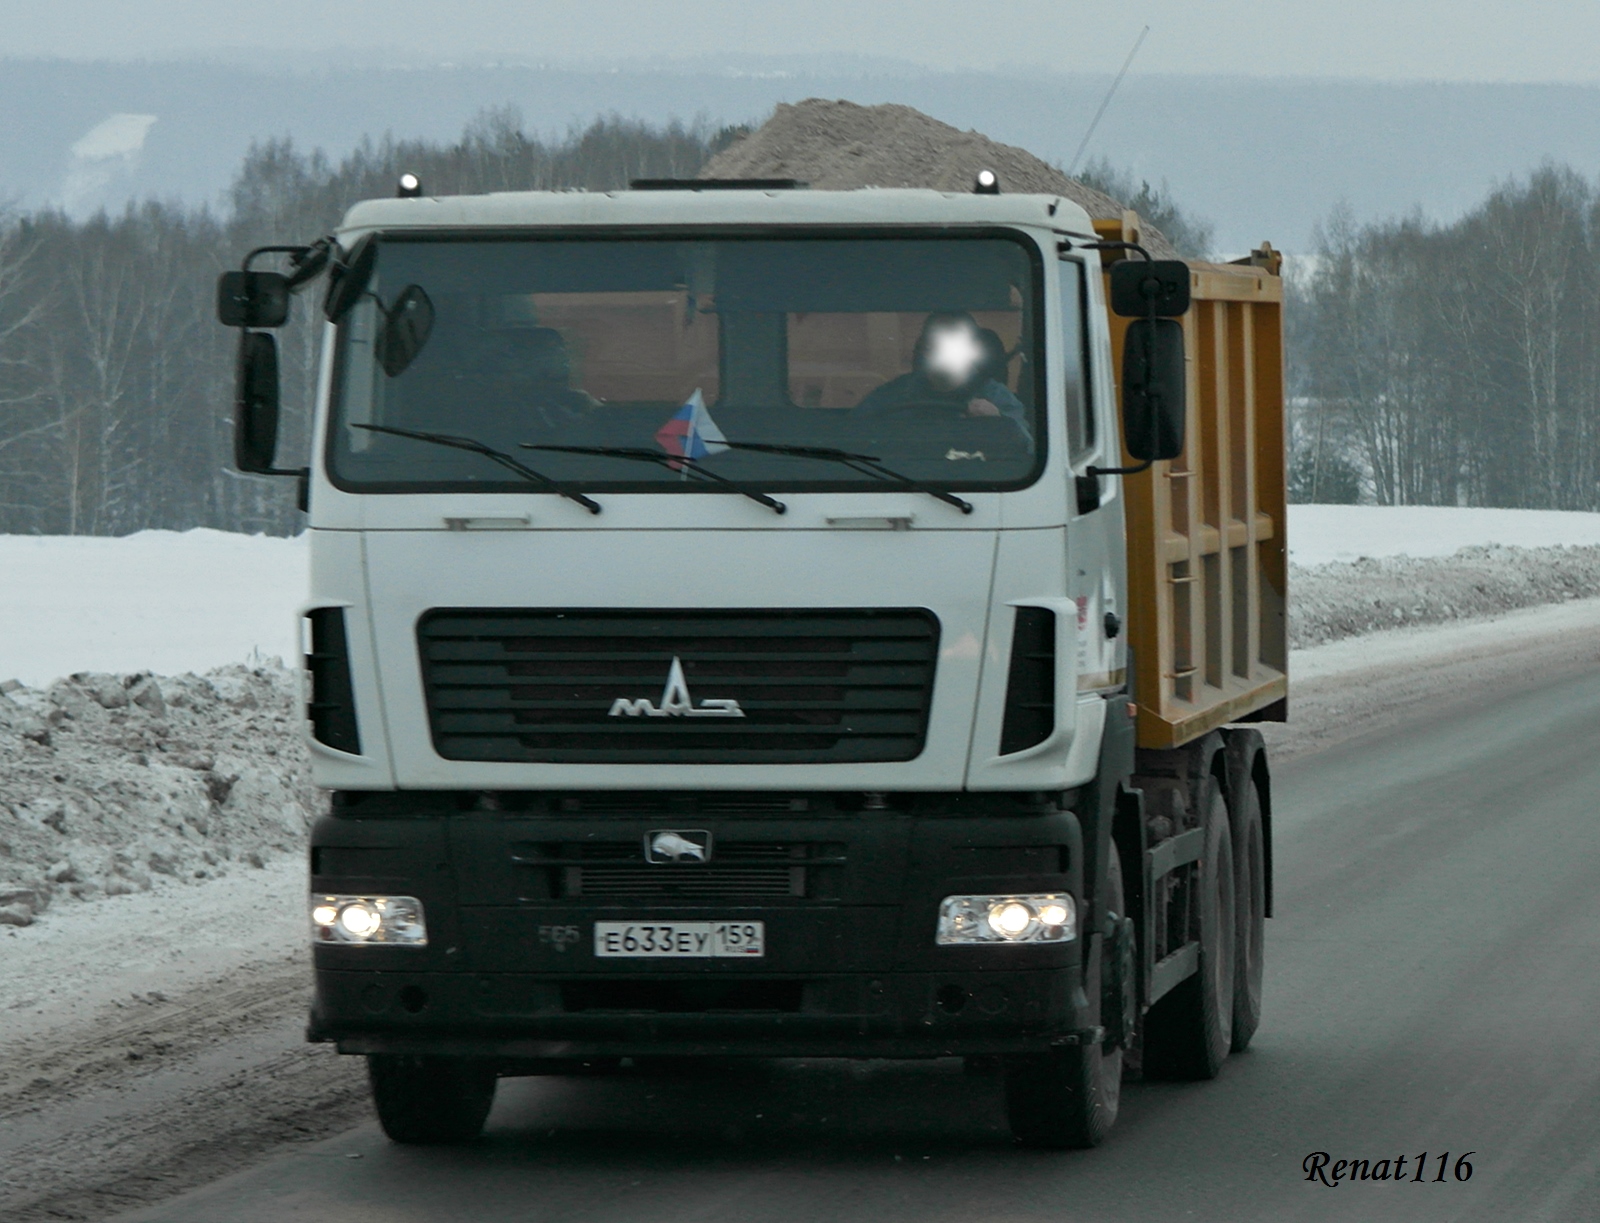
(406, 327)
(255, 404)
(349, 279)
(1153, 408)
(1150, 288)
(252, 299)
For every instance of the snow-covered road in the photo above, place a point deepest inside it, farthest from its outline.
(152, 1038)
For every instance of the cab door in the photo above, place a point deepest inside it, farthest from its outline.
(1096, 569)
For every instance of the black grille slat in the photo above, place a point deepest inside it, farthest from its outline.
(814, 686)
(685, 883)
(739, 869)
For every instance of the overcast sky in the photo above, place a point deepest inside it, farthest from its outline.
(1533, 40)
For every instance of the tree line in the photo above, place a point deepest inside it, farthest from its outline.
(115, 378)
(1429, 363)
(1453, 364)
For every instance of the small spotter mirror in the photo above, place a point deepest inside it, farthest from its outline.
(1143, 288)
(406, 327)
(252, 299)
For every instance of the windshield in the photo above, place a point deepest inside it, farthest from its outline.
(921, 352)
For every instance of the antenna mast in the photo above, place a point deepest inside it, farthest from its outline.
(1137, 43)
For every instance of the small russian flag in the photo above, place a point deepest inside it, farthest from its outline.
(691, 433)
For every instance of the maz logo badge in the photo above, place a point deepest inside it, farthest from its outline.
(666, 845)
(675, 702)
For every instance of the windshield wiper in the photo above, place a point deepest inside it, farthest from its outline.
(639, 454)
(866, 464)
(508, 461)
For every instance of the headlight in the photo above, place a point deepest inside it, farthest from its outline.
(1049, 918)
(369, 919)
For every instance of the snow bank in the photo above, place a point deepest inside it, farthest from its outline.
(162, 601)
(1321, 534)
(171, 602)
(109, 781)
(1334, 601)
(113, 778)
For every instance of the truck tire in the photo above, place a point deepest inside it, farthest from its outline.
(1250, 883)
(1189, 1032)
(1067, 1099)
(431, 1100)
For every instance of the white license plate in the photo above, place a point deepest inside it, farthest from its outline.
(679, 940)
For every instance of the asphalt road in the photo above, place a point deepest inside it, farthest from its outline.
(1433, 985)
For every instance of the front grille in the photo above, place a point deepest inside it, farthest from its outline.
(597, 687)
(684, 883)
(617, 870)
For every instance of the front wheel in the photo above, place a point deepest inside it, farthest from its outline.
(431, 1100)
(1068, 1098)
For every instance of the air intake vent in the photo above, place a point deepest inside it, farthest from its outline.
(677, 687)
(332, 708)
(1031, 684)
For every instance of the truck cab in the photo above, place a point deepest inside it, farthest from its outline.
(718, 644)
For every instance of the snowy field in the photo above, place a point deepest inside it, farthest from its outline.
(1320, 534)
(172, 602)
(162, 601)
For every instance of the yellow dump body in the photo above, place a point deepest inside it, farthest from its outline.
(1207, 532)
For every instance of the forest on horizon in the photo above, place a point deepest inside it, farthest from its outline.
(1429, 363)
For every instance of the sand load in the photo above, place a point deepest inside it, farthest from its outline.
(840, 146)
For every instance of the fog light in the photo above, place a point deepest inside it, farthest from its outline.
(360, 920)
(1049, 918)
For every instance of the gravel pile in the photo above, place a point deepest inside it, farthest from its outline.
(840, 146)
(1346, 599)
(110, 783)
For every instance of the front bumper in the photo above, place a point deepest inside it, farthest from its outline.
(845, 1015)
(851, 967)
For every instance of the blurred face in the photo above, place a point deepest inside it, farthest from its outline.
(952, 354)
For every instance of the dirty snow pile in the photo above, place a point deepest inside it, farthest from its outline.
(840, 146)
(1348, 598)
(1360, 568)
(115, 782)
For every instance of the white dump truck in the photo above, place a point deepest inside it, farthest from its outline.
(755, 621)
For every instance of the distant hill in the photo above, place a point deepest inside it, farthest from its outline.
(1260, 158)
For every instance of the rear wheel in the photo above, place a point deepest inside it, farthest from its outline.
(1189, 1032)
(1250, 878)
(1068, 1098)
(431, 1099)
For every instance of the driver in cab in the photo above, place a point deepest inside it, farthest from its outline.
(522, 380)
(957, 366)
